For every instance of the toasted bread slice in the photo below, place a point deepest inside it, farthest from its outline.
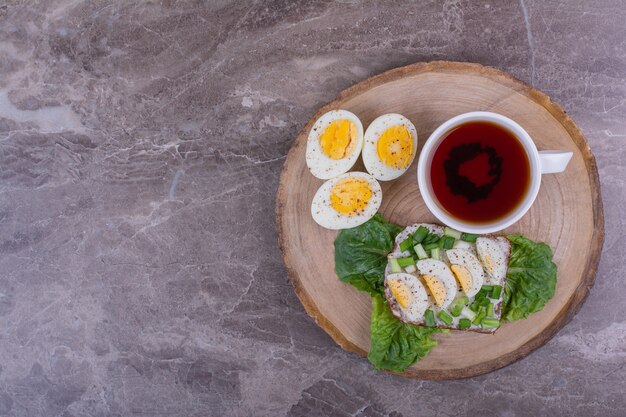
(478, 267)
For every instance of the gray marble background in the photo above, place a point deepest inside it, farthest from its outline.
(140, 149)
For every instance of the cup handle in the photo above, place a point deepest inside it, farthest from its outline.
(554, 161)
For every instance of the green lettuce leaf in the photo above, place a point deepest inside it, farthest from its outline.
(361, 254)
(396, 345)
(530, 280)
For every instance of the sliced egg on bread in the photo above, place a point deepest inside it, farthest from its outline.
(493, 253)
(439, 280)
(467, 269)
(409, 294)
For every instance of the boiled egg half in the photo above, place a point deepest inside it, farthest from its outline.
(346, 201)
(389, 146)
(334, 144)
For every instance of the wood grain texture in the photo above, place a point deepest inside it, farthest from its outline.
(567, 213)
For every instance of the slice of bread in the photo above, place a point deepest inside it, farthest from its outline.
(492, 252)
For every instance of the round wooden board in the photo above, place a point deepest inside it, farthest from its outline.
(567, 213)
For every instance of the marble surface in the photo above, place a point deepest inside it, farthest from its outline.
(140, 149)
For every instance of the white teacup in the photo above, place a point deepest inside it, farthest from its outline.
(541, 162)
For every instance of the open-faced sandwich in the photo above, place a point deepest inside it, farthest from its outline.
(425, 279)
(440, 277)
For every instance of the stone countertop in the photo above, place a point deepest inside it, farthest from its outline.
(140, 150)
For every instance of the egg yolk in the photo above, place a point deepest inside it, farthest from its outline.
(489, 264)
(437, 289)
(339, 139)
(395, 147)
(350, 196)
(401, 292)
(462, 275)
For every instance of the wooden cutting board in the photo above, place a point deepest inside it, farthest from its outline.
(567, 213)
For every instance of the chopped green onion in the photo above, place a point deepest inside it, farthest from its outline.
(462, 299)
(419, 250)
(448, 231)
(474, 307)
(431, 246)
(465, 324)
(448, 242)
(486, 289)
(484, 292)
(429, 318)
(496, 292)
(419, 235)
(469, 237)
(488, 323)
(410, 269)
(395, 266)
(490, 310)
(431, 238)
(479, 318)
(458, 304)
(483, 302)
(434, 253)
(406, 244)
(406, 261)
(445, 317)
(456, 310)
(468, 313)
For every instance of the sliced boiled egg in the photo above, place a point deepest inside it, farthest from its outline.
(439, 280)
(493, 253)
(334, 144)
(467, 269)
(346, 201)
(389, 146)
(409, 294)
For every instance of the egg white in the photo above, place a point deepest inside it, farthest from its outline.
(320, 165)
(372, 162)
(497, 249)
(326, 216)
